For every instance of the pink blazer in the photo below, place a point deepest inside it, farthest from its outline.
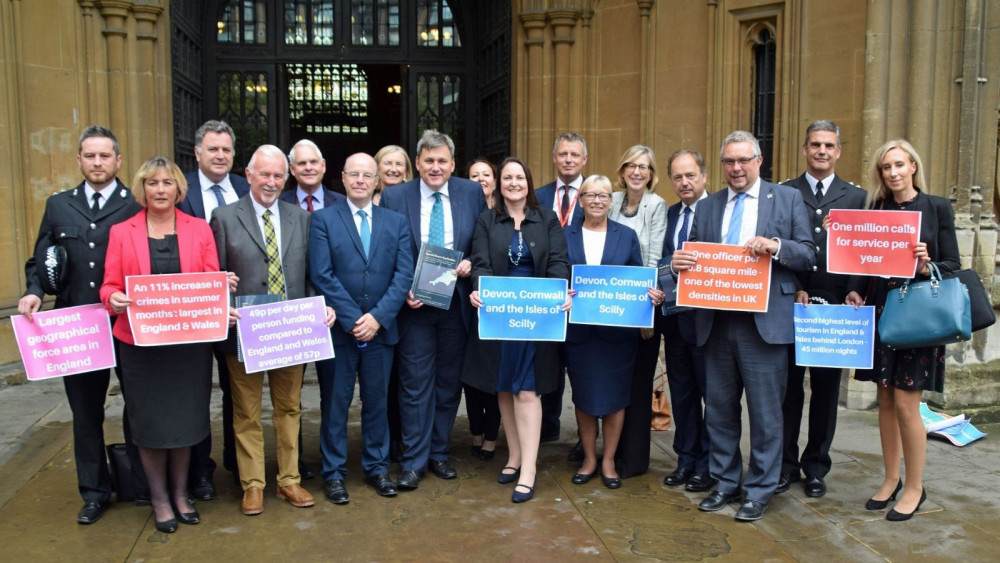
(128, 255)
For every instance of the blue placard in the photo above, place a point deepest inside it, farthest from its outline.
(612, 296)
(834, 336)
(522, 309)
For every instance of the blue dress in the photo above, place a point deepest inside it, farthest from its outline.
(517, 358)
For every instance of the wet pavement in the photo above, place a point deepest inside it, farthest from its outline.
(472, 518)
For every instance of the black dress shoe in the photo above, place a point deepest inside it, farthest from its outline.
(815, 487)
(505, 478)
(575, 455)
(699, 483)
(383, 485)
(167, 526)
(486, 455)
(142, 499)
(678, 477)
(203, 489)
(582, 478)
(894, 516)
(409, 480)
(518, 496)
(92, 511)
(750, 511)
(873, 504)
(187, 517)
(718, 500)
(785, 482)
(612, 482)
(442, 469)
(335, 492)
(305, 471)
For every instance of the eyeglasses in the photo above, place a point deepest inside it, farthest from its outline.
(632, 167)
(355, 175)
(599, 197)
(730, 162)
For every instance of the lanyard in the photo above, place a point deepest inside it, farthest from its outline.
(569, 211)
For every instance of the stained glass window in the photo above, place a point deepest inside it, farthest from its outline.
(243, 21)
(327, 98)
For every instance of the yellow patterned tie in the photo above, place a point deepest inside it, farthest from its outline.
(275, 279)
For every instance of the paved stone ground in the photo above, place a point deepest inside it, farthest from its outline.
(472, 518)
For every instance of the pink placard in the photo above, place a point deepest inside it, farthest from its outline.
(872, 242)
(65, 342)
(178, 308)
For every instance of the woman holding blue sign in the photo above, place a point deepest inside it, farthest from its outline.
(897, 178)
(637, 206)
(519, 238)
(600, 359)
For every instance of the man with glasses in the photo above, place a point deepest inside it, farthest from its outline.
(748, 350)
(360, 260)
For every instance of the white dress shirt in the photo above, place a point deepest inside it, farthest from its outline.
(106, 192)
(426, 204)
(208, 196)
(748, 229)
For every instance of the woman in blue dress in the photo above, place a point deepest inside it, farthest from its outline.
(600, 359)
(516, 238)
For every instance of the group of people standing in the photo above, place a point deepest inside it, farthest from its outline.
(411, 360)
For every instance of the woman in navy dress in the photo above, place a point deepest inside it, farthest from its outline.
(516, 238)
(601, 359)
(902, 375)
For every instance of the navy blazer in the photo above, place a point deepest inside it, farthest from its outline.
(330, 197)
(193, 204)
(621, 248)
(782, 215)
(467, 202)
(546, 199)
(839, 195)
(353, 284)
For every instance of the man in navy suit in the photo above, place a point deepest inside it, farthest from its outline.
(822, 190)
(211, 186)
(685, 360)
(748, 350)
(361, 261)
(308, 166)
(569, 154)
(443, 211)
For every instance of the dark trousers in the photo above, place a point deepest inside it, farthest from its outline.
(632, 456)
(202, 464)
(686, 379)
(370, 367)
(392, 405)
(429, 354)
(738, 359)
(825, 386)
(484, 413)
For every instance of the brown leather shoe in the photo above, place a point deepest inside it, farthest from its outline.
(296, 496)
(253, 501)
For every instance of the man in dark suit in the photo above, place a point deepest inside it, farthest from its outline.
(442, 211)
(361, 261)
(569, 154)
(263, 241)
(211, 186)
(308, 166)
(748, 350)
(822, 190)
(685, 360)
(79, 220)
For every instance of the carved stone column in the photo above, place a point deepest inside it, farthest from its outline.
(115, 13)
(535, 126)
(146, 13)
(562, 21)
(645, 70)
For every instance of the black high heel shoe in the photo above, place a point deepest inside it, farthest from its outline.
(873, 504)
(167, 526)
(894, 516)
(187, 517)
(504, 478)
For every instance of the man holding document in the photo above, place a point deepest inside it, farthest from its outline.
(360, 260)
(263, 242)
(748, 350)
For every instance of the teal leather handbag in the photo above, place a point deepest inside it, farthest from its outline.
(935, 312)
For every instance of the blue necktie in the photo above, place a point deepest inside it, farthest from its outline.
(683, 235)
(435, 234)
(217, 190)
(736, 221)
(366, 232)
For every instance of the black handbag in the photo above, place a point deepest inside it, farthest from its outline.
(928, 313)
(983, 314)
(121, 472)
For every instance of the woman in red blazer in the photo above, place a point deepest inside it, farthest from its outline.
(167, 388)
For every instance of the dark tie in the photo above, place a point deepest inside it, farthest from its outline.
(309, 203)
(366, 231)
(435, 233)
(819, 192)
(565, 202)
(95, 207)
(682, 236)
(736, 220)
(217, 190)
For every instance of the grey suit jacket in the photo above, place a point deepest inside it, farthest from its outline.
(242, 250)
(781, 215)
(651, 225)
